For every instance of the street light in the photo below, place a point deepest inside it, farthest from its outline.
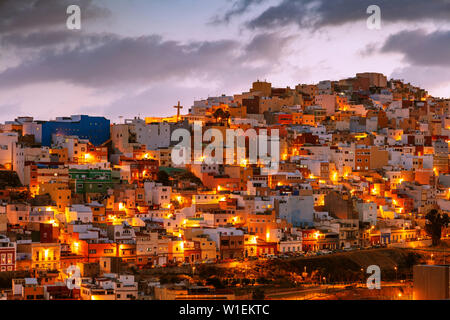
(395, 273)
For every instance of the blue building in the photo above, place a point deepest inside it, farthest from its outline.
(95, 129)
(298, 210)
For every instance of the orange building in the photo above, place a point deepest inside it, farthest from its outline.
(260, 224)
(285, 119)
(92, 252)
(315, 240)
(33, 292)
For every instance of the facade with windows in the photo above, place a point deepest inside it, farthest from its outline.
(7, 256)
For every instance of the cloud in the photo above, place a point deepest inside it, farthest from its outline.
(238, 8)
(116, 74)
(28, 16)
(9, 110)
(434, 79)
(56, 39)
(113, 60)
(157, 100)
(267, 46)
(426, 57)
(321, 13)
(420, 48)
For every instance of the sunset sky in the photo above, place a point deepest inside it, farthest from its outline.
(140, 57)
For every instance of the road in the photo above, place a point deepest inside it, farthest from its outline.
(323, 291)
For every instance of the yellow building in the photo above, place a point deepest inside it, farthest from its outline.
(238, 112)
(176, 251)
(264, 88)
(208, 248)
(45, 256)
(93, 292)
(163, 155)
(60, 194)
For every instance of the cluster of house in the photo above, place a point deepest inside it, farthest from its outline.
(362, 161)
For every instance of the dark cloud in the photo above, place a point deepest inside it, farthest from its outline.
(267, 46)
(57, 38)
(420, 48)
(426, 54)
(28, 16)
(113, 60)
(238, 8)
(320, 13)
(35, 31)
(36, 39)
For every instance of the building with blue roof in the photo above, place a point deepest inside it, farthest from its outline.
(94, 129)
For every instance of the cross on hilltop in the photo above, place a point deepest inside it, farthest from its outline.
(178, 107)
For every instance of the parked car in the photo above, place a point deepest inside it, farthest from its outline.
(210, 261)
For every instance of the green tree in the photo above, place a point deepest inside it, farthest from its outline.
(189, 176)
(215, 282)
(163, 177)
(221, 115)
(435, 222)
(218, 114)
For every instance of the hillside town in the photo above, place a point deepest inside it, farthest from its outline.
(87, 206)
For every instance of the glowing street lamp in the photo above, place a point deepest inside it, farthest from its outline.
(334, 177)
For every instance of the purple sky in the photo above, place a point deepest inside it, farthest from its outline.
(140, 57)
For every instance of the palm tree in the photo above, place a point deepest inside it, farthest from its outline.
(435, 222)
(218, 114)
